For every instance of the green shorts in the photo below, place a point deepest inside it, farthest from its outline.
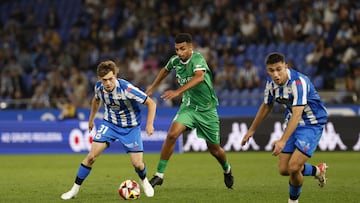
(205, 122)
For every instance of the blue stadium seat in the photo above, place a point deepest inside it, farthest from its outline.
(281, 47)
(270, 48)
(239, 60)
(318, 82)
(244, 97)
(223, 97)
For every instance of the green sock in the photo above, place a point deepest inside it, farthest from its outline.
(226, 166)
(162, 165)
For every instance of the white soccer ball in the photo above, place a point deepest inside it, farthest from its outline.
(129, 190)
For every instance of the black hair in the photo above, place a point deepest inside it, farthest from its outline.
(183, 37)
(274, 57)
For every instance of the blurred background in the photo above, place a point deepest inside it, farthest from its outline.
(49, 49)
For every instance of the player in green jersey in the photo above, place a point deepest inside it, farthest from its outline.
(198, 107)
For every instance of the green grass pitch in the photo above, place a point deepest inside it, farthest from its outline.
(190, 177)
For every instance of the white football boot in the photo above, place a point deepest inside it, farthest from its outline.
(71, 193)
(148, 189)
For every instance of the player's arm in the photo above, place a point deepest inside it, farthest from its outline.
(290, 128)
(162, 74)
(151, 105)
(95, 105)
(195, 80)
(262, 113)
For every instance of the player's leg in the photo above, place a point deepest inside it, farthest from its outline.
(296, 178)
(167, 149)
(131, 141)
(85, 168)
(140, 168)
(208, 127)
(220, 155)
(283, 163)
(305, 140)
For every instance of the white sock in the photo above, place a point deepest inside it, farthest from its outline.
(160, 175)
(317, 173)
(75, 187)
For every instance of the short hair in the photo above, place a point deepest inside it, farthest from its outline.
(274, 57)
(105, 67)
(183, 37)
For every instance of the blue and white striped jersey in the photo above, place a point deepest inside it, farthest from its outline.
(298, 91)
(122, 104)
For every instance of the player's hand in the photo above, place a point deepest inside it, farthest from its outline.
(170, 94)
(246, 138)
(149, 129)
(149, 92)
(278, 146)
(91, 126)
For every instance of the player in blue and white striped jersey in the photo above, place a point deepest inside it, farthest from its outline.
(122, 104)
(121, 123)
(305, 117)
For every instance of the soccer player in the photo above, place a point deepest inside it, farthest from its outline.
(305, 116)
(121, 122)
(198, 107)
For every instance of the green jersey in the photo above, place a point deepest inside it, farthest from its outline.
(201, 97)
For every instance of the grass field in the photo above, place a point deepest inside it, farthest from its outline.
(190, 177)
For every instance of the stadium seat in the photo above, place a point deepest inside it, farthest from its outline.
(244, 97)
(270, 48)
(223, 97)
(318, 82)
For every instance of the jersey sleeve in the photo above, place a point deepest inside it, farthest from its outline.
(299, 89)
(268, 95)
(199, 63)
(169, 65)
(135, 93)
(97, 90)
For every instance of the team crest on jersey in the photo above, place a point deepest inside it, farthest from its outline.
(289, 90)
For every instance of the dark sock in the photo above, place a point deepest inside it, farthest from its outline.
(82, 173)
(294, 191)
(141, 173)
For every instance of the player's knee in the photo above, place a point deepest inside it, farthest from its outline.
(215, 150)
(293, 169)
(172, 136)
(91, 159)
(283, 171)
(138, 165)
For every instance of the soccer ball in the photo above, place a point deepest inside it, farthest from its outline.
(129, 189)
